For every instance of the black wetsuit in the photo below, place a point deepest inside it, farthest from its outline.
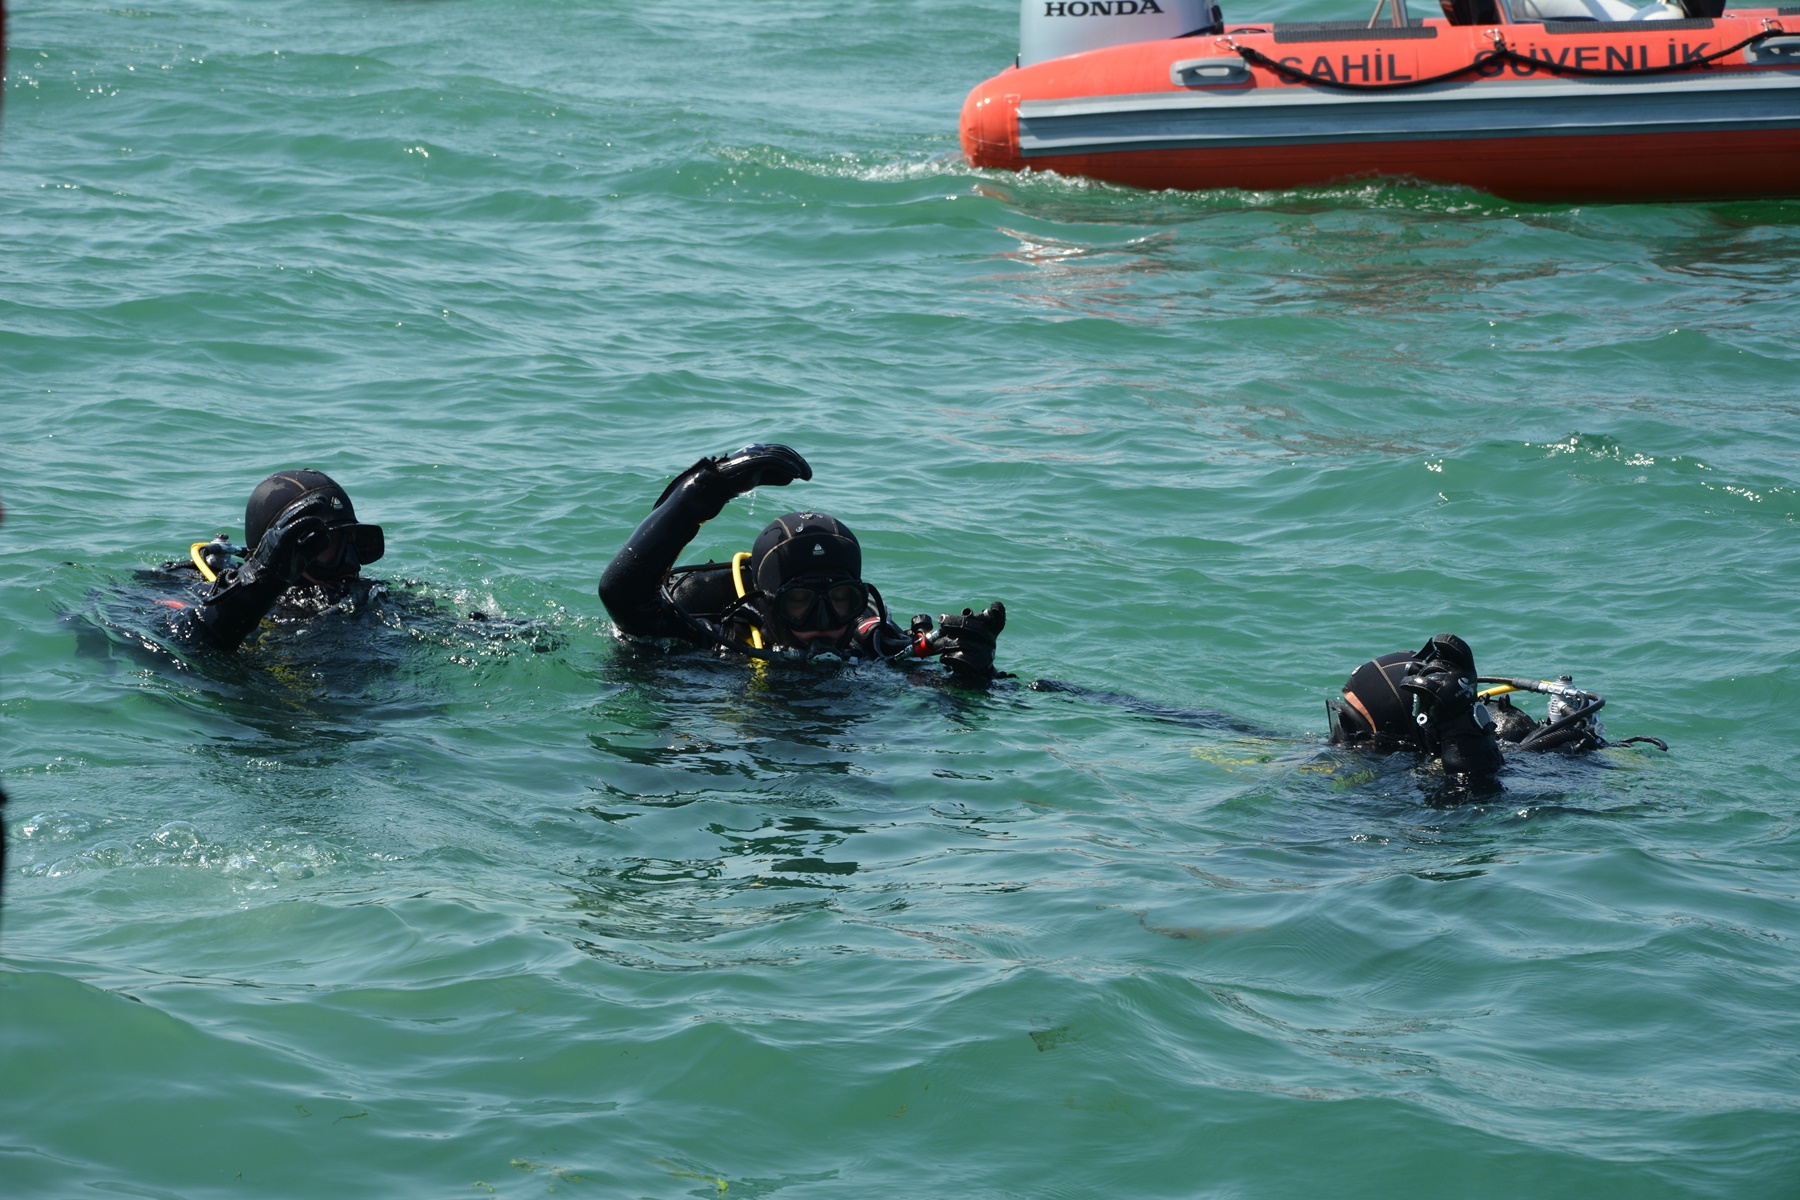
(357, 624)
(723, 605)
(715, 604)
(221, 613)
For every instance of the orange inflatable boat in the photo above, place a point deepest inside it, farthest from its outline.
(1531, 99)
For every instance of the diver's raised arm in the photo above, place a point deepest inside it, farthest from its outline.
(631, 585)
(240, 598)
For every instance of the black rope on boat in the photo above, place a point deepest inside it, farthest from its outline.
(1556, 68)
(1501, 53)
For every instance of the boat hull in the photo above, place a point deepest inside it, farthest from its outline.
(1134, 114)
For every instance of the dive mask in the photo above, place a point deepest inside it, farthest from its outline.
(811, 605)
(356, 547)
(353, 544)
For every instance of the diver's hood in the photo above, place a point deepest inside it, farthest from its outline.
(804, 545)
(1374, 688)
(283, 490)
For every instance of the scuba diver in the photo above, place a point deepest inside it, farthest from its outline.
(797, 594)
(1430, 701)
(305, 553)
(289, 634)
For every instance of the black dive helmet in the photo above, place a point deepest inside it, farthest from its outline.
(809, 552)
(314, 493)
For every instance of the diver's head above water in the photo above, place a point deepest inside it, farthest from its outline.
(300, 530)
(809, 565)
(1426, 701)
(289, 496)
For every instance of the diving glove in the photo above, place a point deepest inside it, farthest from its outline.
(242, 596)
(713, 483)
(966, 642)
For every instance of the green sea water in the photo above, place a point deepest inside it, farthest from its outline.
(437, 907)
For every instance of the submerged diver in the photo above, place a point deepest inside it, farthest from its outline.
(1430, 701)
(798, 593)
(306, 551)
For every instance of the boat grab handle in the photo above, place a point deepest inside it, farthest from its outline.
(1779, 51)
(1208, 72)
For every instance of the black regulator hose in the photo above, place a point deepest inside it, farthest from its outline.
(1540, 738)
(1554, 734)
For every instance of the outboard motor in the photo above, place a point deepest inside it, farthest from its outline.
(1053, 28)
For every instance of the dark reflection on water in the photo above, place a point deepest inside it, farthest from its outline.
(816, 752)
(634, 906)
(1551, 781)
(1753, 249)
(692, 713)
(805, 841)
